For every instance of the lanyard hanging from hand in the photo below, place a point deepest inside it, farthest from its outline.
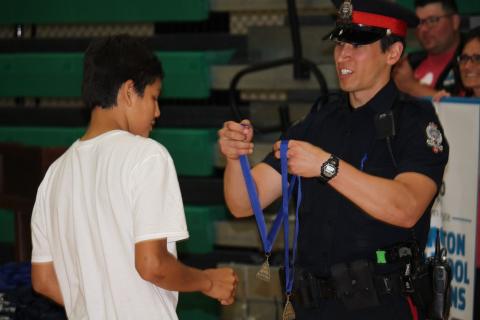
(282, 216)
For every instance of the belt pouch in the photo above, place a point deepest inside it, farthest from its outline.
(342, 282)
(303, 289)
(365, 293)
(422, 295)
(354, 284)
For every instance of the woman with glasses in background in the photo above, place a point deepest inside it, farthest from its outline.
(469, 66)
(469, 63)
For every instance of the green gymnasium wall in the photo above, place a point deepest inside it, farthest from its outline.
(105, 11)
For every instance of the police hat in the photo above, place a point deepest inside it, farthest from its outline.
(366, 21)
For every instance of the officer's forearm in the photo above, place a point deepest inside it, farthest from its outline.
(267, 181)
(235, 191)
(399, 202)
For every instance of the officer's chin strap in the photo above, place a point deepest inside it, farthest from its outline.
(282, 216)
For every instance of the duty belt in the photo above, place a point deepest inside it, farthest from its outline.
(310, 290)
(356, 283)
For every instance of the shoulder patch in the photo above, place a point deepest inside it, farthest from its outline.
(434, 137)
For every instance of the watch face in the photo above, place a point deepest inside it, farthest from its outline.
(329, 170)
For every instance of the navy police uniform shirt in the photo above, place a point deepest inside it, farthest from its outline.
(332, 228)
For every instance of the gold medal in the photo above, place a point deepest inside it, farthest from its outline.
(264, 272)
(288, 312)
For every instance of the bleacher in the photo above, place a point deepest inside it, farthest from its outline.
(203, 44)
(42, 44)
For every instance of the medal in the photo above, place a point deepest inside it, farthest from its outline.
(264, 272)
(282, 218)
(288, 312)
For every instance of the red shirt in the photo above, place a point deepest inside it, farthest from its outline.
(431, 68)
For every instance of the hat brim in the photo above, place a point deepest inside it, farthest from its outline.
(355, 34)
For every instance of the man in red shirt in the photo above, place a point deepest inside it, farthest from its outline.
(428, 72)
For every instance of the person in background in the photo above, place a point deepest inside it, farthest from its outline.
(469, 63)
(469, 66)
(432, 72)
(109, 212)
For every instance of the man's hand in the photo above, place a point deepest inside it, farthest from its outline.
(304, 159)
(404, 78)
(440, 94)
(403, 72)
(234, 139)
(223, 285)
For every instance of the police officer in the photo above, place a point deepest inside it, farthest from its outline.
(371, 161)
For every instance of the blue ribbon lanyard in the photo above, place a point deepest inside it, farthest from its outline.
(282, 216)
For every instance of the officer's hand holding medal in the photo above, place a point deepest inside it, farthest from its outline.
(304, 159)
(235, 139)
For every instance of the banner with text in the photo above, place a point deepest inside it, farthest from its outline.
(455, 210)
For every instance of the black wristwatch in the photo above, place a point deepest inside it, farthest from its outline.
(329, 169)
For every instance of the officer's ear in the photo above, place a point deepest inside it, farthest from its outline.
(394, 53)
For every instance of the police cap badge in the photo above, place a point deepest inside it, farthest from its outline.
(366, 21)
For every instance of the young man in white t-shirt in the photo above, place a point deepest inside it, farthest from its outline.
(109, 210)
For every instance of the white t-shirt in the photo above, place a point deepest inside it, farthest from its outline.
(96, 201)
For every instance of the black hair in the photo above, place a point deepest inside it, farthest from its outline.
(387, 41)
(471, 35)
(111, 61)
(450, 6)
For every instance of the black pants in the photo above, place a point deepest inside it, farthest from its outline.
(392, 308)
